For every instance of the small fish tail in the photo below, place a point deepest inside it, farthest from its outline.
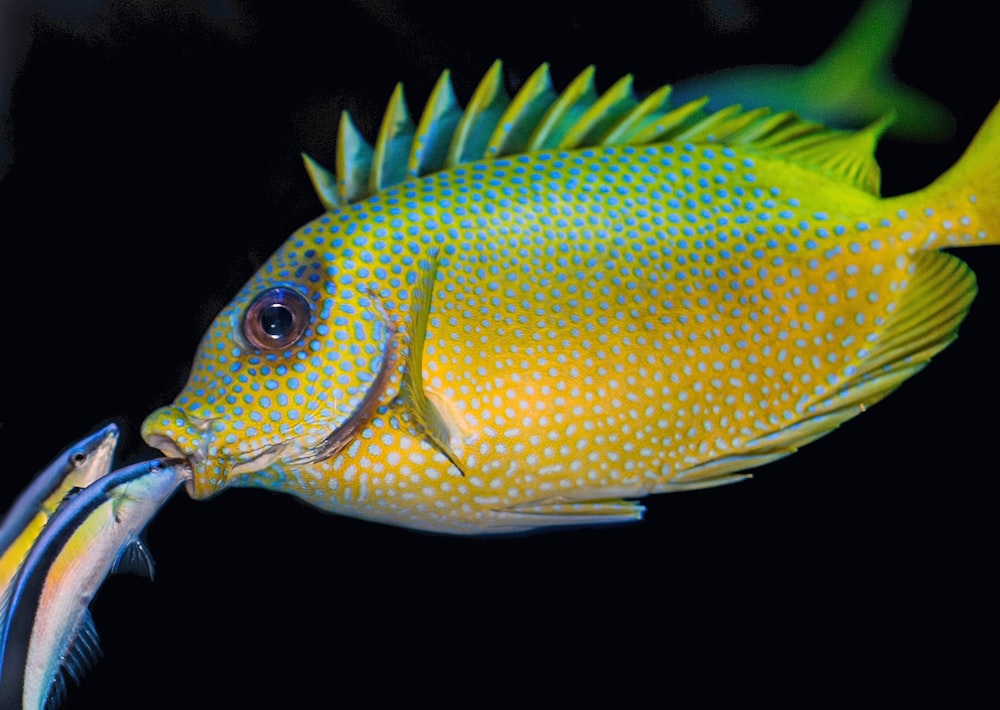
(965, 201)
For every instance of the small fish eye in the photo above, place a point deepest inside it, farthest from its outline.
(276, 319)
(78, 458)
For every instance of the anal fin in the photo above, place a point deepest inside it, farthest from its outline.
(561, 512)
(83, 652)
(926, 320)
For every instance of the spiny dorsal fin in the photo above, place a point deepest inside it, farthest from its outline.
(522, 115)
(571, 104)
(354, 162)
(484, 110)
(437, 125)
(393, 145)
(537, 117)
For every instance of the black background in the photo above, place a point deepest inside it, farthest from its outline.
(157, 164)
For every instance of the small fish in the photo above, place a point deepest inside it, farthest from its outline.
(530, 312)
(849, 86)
(77, 467)
(46, 630)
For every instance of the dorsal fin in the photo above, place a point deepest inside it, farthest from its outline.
(393, 146)
(537, 117)
(354, 162)
(437, 124)
(522, 115)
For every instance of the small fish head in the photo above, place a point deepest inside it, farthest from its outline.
(283, 368)
(90, 458)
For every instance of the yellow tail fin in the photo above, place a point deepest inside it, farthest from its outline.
(962, 207)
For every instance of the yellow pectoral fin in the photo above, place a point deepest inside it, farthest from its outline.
(420, 410)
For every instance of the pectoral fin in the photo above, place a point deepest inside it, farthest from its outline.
(134, 558)
(422, 413)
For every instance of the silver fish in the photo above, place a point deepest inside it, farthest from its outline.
(77, 467)
(46, 630)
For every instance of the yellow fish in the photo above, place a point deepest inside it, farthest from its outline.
(530, 312)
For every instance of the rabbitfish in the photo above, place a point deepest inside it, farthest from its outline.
(532, 311)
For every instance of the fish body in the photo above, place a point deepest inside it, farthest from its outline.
(531, 312)
(77, 467)
(46, 630)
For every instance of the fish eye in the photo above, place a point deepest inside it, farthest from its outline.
(276, 319)
(78, 457)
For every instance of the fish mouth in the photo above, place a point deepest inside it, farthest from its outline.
(179, 435)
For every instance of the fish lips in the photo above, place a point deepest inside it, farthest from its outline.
(180, 435)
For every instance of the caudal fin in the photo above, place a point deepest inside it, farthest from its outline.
(962, 207)
(855, 76)
(850, 85)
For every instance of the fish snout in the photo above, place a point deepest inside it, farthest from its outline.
(179, 435)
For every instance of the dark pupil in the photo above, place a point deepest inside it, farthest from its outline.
(276, 320)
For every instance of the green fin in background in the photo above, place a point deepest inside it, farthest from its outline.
(494, 125)
(849, 86)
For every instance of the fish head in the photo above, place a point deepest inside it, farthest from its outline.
(88, 459)
(285, 370)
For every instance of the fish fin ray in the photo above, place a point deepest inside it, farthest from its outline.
(393, 144)
(474, 128)
(82, 653)
(354, 162)
(324, 183)
(554, 513)
(435, 128)
(493, 125)
(606, 110)
(934, 303)
(514, 129)
(712, 476)
(5, 595)
(565, 111)
(660, 126)
(655, 104)
(134, 557)
(425, 415)
(847, 156)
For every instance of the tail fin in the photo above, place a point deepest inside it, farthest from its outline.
(850, 85)
(964, 203)
(855, 76)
